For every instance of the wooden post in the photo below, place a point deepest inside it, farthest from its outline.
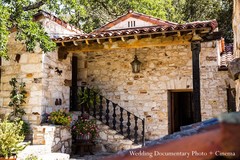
(74, 84)
(196, 48)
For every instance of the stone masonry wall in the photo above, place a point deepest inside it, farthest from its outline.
(236, 47)
(58, 138)
(56, 78)
(28, 70)
(163, 69)
(47, 79)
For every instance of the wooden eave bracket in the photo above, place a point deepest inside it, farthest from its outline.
(136, 37)
(87, 42)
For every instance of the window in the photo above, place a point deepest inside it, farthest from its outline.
(131, 23)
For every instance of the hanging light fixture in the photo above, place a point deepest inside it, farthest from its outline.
(136, 64)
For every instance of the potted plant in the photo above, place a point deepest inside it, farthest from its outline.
(60, 117)
(11, 139)
(85, 129)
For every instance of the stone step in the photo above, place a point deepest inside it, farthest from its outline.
(34, 150)
(54, 156)
(135, 146)
(118, 136)
(126, 141)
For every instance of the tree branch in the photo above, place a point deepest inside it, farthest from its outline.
(34, 6)
(106, 8)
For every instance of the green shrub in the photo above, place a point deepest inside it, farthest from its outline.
(60, 117)
(11, 139)
(31, 157)
(17, 99)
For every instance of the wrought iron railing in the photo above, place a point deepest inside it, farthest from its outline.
(123, 121)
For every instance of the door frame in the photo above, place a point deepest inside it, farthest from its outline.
(170, 107)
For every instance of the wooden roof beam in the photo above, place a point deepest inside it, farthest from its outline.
(179, 34)
(164, 35)
(77, 43)
(87, 42)
(143, 42)
(110, 40)
(99, 41)
(136, 37)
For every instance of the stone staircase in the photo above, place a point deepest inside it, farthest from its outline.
(111, 141)
(118, 123)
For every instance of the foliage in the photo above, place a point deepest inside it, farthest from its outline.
(60, 117)
(18, 14)
(31, 157)
(17, 98)
(91, 14)
(10, 138)
(85, 127)
(225, 24)
(88, 100)
(195, 10)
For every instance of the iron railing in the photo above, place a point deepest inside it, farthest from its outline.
(116, 117)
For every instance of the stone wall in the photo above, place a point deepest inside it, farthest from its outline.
(58, 138)
(47, 80)
(56, 78)
(163, 69)
(29, 70)
(236, 46)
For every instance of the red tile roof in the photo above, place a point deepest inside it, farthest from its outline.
(212, 25)
(146, 18)
(57, 20)
(226, 56)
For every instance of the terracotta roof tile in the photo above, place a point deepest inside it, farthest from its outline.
(226, 56)
(57, 20)
(147, 18)
(212, 24)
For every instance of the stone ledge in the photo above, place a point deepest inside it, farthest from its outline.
(34, 150)
(54, 156)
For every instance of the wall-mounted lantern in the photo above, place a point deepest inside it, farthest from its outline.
(136, 65)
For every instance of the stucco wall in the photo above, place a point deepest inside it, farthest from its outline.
(163, 69)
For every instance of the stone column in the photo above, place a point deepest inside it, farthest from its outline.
(196, 48)
(236, 46)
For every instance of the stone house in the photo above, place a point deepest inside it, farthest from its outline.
(180, 80)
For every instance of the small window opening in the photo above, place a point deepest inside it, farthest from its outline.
(131, 23)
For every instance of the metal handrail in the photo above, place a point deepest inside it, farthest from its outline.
(91, 100)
